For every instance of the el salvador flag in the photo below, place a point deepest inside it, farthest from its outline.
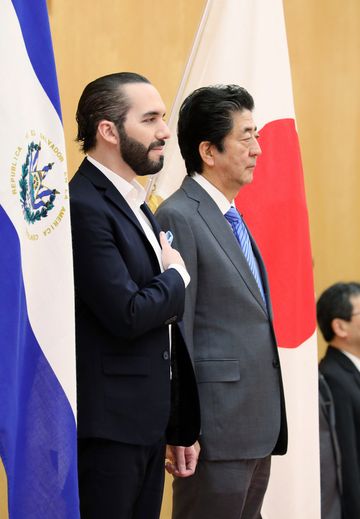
(37, 338)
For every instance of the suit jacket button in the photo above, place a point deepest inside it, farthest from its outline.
(166, 355)
(276, 364)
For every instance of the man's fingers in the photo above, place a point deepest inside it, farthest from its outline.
(180, 459)
(163, 241)
(191, 465)
(170, 468)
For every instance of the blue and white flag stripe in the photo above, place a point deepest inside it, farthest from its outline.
(37, 337)
(39, 49)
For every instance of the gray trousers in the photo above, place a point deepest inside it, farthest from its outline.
(222, 490)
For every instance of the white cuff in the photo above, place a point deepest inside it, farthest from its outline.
(182, 271)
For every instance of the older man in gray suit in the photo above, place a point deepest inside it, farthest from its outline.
(228, 316)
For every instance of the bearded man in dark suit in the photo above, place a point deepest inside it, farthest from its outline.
(136, 386)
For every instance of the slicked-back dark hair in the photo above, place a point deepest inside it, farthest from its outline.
(334, 303)
(101, 99)
(207, 115)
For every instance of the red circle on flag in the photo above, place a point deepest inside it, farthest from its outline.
(274, 208)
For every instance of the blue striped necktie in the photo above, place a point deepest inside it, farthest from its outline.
(242, 236)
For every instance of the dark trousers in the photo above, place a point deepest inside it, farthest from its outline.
(120, 481)
(222, 490)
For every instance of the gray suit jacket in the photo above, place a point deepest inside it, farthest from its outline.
(229, 332)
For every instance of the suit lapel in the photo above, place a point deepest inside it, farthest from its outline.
(154, 224)
(356, 375)
(220, 229)
(109, 191)
(350, 366)
(347, 364)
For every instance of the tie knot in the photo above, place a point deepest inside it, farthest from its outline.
(232, 215)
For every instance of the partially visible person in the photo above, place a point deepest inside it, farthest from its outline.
(228, 315)
(338, 315)
(136, 385)
(330, 458)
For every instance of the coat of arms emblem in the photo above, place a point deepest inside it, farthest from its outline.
(37, 199)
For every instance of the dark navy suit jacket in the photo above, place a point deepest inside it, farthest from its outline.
(343, 378)
(124, 305)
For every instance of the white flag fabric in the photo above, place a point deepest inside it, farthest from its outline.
(244, 42)
(37, 333)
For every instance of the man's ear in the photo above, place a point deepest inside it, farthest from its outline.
(339, 327)
(108, 132)
(206, 151)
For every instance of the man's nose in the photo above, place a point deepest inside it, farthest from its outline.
(255, 149)
(163, 131)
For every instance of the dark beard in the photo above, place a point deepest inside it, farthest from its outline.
(136, 155)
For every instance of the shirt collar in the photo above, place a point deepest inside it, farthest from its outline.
(219, 198)
(132, 191)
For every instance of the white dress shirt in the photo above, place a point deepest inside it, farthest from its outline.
(219, 198)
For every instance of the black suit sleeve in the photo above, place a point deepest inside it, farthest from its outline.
(114, 277)
(347, 430)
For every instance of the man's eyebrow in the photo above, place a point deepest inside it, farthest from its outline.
(153, 113)
(250, 129)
